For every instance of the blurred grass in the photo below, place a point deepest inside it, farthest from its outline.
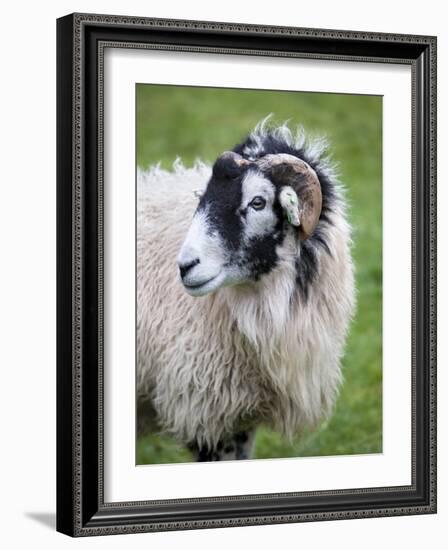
(201, 123)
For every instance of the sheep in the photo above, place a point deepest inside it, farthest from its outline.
(245, 292)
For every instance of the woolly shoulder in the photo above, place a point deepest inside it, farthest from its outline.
(170, 192)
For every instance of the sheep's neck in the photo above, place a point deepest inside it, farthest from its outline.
(263, 311)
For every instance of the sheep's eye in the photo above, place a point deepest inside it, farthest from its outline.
(258, 203)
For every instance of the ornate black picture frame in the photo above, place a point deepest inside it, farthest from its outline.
(81, 509)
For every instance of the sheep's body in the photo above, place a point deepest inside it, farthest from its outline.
(245, 355)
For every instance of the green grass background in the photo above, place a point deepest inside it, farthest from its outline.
(192, 123)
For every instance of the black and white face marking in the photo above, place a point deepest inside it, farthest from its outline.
(235, 232)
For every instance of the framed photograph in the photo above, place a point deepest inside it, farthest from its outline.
(246, 274)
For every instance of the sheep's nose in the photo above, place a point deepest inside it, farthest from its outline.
(185, 268)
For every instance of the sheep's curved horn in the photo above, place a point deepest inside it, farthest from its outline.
(229, 164)
(288, 170)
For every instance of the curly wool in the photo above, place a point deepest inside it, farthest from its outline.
(245, 355)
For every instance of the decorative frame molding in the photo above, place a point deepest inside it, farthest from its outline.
(81, 39)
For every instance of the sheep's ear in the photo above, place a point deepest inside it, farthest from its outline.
(290, 204)
(290, 171)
